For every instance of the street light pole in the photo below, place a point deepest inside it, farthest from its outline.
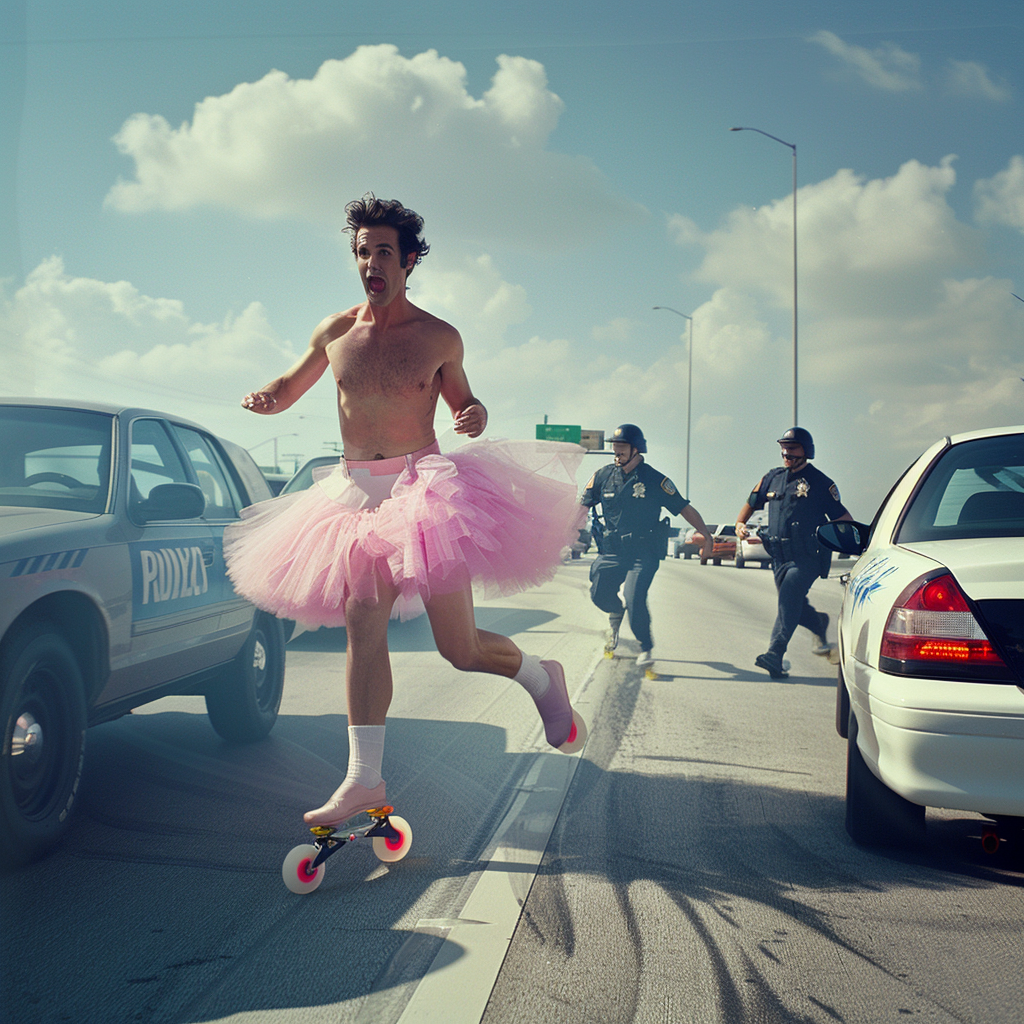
(689, 387)
(792, 146)
(267, 441)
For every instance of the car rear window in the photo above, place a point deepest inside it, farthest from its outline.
(55, 458)
(976, 489)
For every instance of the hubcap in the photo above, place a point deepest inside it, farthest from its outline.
(27, 739)
(259, 655)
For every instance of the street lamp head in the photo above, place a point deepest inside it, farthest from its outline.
(676, 311)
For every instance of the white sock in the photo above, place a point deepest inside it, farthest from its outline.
(365, 754)
(532, 677)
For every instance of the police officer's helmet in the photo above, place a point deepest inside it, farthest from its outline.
(631, 434)
(797, 435)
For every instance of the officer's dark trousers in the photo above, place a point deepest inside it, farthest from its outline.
(608, 573)
(793, 581)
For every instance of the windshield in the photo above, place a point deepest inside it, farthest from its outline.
(976, 489)
(55, 458)
(304, 477)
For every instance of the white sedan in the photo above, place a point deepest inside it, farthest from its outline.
(931, 644)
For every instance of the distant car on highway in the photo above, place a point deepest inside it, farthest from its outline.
(690, 542)
(683, 543)
(751, 548)
(275, 481)
(930, 694)
(303, 476)
(113, 593)
(723, 541)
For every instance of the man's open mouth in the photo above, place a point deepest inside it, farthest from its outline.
(376, 284)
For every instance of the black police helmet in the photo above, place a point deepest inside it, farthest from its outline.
(631, 434)
(797, 435)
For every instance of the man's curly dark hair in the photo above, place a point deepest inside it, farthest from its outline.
(371, 212)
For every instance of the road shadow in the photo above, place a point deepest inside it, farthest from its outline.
(415, 634)
(675, 669)
(165, 901)
(728, 862)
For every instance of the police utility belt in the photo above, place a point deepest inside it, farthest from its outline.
(801, 547)
(615, 542)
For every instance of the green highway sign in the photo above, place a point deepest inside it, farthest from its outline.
(558, 432)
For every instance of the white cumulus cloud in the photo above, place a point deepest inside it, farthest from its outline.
(897, 342)
(861, 243)
(471, 293)
(1000, 199)
(81, 338)
(403, 127)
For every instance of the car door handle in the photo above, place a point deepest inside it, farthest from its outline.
(207, 558)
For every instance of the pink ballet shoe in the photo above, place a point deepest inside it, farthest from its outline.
(348, 800)
(554, 707)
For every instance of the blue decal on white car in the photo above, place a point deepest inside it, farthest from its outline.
(870, 580)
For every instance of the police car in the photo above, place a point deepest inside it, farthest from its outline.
(931, 644)
(113, 593)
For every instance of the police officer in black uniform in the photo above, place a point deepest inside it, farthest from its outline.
(633, 539)
(800, 498)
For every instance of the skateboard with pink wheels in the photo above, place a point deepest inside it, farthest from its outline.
(303, 869)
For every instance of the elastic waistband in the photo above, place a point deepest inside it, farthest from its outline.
(390, 467)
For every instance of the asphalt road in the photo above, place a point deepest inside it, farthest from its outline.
(691, 865)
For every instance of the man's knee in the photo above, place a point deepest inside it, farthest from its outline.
(461, 652)
(462, 659)
(366, 623)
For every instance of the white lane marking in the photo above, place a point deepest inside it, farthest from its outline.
(479, 938)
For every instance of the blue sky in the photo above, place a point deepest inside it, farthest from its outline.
(174, 176)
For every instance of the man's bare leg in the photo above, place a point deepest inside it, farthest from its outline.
(368, 682)
(469, 649)
(369, 687)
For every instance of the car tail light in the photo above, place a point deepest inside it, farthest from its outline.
(933, 632)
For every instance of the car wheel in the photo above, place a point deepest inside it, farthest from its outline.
(42, 710)
(875, 815)
(740, 561)
(716, 561)
(243, 706)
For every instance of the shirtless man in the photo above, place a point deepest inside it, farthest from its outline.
(392, 361)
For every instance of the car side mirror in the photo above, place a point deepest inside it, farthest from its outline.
(171, 501)
(845, 536)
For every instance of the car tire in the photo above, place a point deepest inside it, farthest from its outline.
(243, 706)
(44, 719)
(740, 561)
(875, 815)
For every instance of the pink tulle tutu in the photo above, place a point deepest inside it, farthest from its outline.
(495, 514)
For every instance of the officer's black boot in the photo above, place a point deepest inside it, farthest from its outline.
(772, 664)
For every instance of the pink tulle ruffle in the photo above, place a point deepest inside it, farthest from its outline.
(495, 514)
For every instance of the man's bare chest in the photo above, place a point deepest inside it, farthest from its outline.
(371, 366)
